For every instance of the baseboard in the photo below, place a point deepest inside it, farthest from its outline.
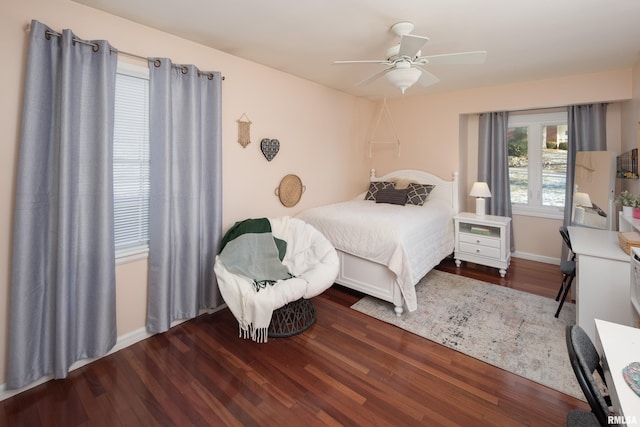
(536, 257)
(123, 341)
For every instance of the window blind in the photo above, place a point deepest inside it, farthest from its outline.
(131, 163)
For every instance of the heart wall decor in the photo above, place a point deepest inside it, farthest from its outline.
(270, 148)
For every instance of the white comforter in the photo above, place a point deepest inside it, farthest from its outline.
(410, 240)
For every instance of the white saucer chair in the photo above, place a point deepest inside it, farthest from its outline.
(283, 308)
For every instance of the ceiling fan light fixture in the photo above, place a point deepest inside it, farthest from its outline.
(402, 28)
(403, 78)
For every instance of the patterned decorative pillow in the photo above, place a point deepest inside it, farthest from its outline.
(418, 193)
(392, 196)
(376, 186)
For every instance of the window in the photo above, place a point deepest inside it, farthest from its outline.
(131, 161)
(538, 163)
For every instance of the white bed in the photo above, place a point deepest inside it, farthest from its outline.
(385, 249)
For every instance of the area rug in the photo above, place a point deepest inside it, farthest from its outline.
(512, 330)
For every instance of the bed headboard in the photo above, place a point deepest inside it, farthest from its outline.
(444, 190)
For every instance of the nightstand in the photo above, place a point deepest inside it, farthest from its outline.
(484, 240)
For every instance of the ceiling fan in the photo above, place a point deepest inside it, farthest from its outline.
(406, 63)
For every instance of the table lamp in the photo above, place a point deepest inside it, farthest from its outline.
(582, 199)
(480, 190)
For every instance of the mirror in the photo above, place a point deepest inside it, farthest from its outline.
(594, 182)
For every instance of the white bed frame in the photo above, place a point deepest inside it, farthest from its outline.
(376, 279)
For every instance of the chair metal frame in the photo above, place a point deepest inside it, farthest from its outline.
(568, 268)
(585, 378)
(292, 319)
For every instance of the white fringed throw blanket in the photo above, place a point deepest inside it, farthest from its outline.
(251, 276)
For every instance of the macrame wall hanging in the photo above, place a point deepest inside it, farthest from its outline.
(394, 141)
(244, 130)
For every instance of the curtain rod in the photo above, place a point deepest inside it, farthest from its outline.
(95, 47)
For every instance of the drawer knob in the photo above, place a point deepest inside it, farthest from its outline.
(478, 241)
(478, 250)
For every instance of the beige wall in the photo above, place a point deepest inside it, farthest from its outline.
(320, 131)
(630, 128)
(631, 113)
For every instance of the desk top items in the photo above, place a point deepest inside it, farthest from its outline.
(628, 239)
(631, 374)
(627, 165)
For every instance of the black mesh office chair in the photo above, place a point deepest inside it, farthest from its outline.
(580, 418)
(568, 269)
(585, 361)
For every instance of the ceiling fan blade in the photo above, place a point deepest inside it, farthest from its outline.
(427, 79)
(477, 57)
(374, 77)
(410, 45)
(365, 61)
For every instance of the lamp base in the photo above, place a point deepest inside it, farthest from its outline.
(480, 206)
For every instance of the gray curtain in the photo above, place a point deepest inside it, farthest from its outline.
(62, 296)
(493, 163)
(587, 131)
(186, 192)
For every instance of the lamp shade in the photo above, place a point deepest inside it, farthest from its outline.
(480, 189)
(403, 78)
(582, 199)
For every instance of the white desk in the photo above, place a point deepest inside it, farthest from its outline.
(620, 345)
(627, 223)
(603, 279)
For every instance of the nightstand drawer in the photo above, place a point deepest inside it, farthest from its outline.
(479, 240)
(473, 248)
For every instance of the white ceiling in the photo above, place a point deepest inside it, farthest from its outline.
(524, 39)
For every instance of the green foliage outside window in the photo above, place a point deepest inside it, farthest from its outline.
(518, 142)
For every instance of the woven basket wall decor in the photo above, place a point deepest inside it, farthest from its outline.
(290, 190)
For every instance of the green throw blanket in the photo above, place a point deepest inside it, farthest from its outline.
(249, 249)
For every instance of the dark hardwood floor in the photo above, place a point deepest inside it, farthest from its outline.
(347, 369)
